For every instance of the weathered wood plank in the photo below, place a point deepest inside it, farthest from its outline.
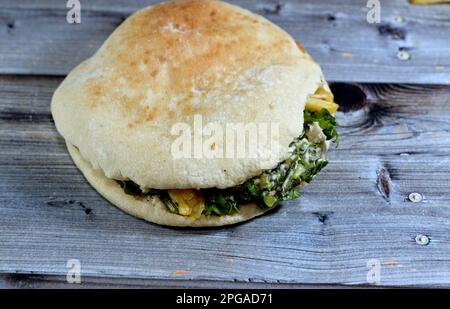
(21, 281)
(36, 39)
(356, 210)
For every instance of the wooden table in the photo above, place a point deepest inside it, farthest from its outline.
(395, 140)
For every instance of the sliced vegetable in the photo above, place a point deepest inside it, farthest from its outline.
(315, 105)
(322, 99)
(189, 202)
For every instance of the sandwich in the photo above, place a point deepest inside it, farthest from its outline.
(146, 118)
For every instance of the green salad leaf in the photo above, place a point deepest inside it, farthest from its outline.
(326, 121)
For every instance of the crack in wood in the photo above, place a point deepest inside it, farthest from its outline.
(384, 183)
(64, 203)
(21, 280)
(17, 116)
(275, 10)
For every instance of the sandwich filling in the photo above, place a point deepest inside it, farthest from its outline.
(306, 158)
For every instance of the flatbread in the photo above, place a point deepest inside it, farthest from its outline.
(170, 62)
(165, 65)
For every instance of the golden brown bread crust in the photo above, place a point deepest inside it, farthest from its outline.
(185, 45)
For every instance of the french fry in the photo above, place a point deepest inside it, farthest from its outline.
(428, 1)
(316, 105)
(322, 98)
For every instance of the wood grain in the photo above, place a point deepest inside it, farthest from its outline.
(27, 281)
(394, 143)
(36, 39)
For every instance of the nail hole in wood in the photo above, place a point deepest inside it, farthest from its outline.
(422, 240)
(350, 97)
(403, 54)
(331, 17)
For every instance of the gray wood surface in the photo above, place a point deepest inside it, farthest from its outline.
(30, 281)
(36, 39)
(395, 143)
(357, 209)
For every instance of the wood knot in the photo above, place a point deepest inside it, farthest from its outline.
(392, 32)
(350, 97)
(322, 217)
(384, 183)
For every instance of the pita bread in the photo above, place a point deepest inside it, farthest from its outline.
(164, 65)
(168, 63)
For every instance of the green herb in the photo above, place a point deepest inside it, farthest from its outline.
(129, 187)
(218, 203)
(326, 121)
(170, 203)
